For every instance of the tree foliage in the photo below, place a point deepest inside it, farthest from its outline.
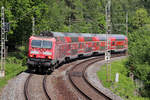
(139, 59)
(86, 16)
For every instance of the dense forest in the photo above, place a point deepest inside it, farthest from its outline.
(86, 16)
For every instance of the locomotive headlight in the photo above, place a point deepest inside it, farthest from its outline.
(49, 57)
(34, 52)
(31, 55)
(47, 53)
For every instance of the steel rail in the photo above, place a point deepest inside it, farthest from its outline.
(44, 87)
(26, 94)
(83, 75)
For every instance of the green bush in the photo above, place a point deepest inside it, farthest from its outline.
(14, 65)
(13, 60)
(18, 57)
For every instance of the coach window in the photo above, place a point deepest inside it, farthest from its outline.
(113, 43)
(97, 44)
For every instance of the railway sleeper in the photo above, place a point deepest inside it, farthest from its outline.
(76, 74)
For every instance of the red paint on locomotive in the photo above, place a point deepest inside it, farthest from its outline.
(39, 52)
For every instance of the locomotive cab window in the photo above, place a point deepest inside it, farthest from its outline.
(47, 44)
(36, 43)
(41, 44)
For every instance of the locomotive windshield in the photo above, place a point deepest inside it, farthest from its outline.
(41, 44)
(36, 43)
(47, 44)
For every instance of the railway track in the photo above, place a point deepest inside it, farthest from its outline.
(26, 87)
(27, 93)
(79, 80)
(44, 87)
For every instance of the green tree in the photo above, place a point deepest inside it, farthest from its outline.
(141, 18)
(139, 59)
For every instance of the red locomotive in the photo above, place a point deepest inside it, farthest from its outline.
(51, 48)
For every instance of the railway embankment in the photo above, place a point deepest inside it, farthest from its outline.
(91, 73)
(126, 87)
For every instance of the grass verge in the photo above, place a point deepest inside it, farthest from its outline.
(11, 70)
(15, 64)
(125, 88)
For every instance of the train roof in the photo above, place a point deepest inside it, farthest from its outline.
(100, 36)
(65, 34)
(118, 36)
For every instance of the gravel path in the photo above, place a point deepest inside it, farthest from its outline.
(91, 73)
(14, 89)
